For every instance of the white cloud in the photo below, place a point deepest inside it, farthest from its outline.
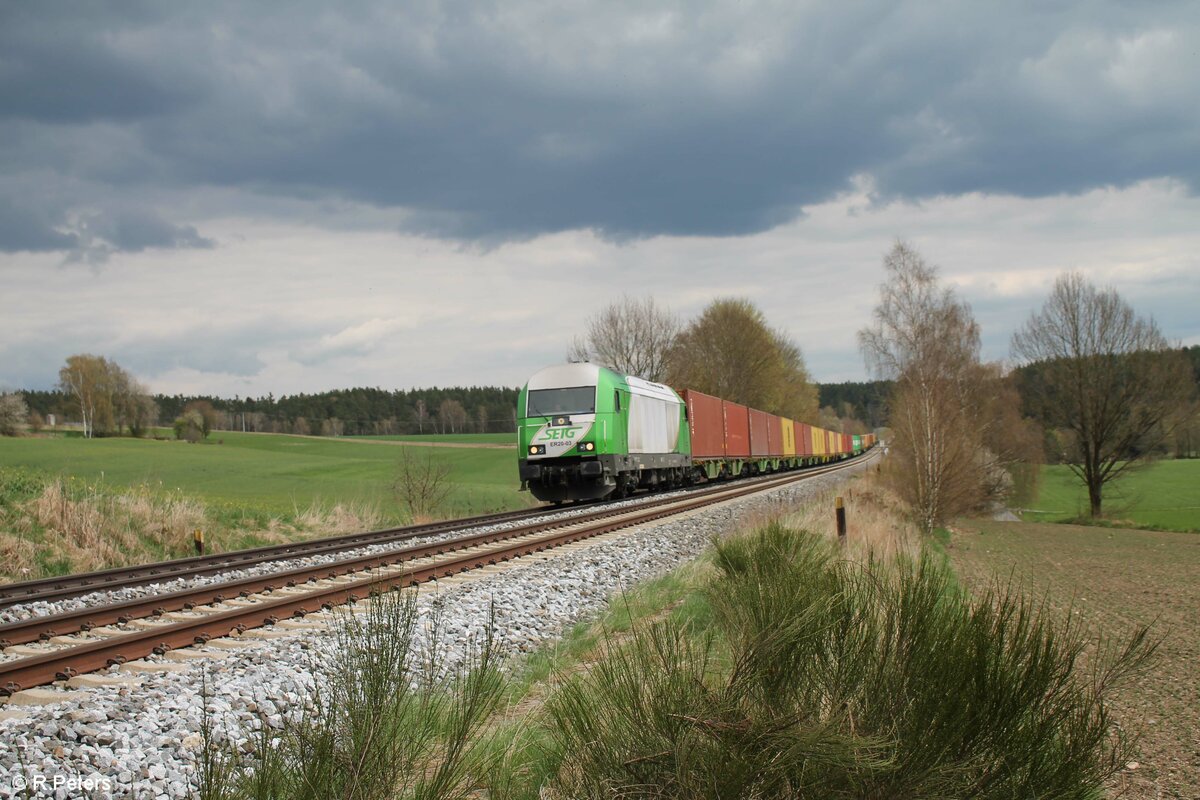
(283, 308)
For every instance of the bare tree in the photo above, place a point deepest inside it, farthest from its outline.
(1104, 374)
(1187, 435)
(422, 482)
(730, 351)
(420, 415)
(142, 412)
(13, 413)
(942, 408)
(630, 336)
(452, 416)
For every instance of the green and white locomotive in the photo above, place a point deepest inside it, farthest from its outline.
(586, 432)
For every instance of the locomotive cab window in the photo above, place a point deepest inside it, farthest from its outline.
(554, 402)
(617, 400)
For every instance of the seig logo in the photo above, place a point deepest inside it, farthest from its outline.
(558, 440)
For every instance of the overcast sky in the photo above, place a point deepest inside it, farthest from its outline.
(242, 198)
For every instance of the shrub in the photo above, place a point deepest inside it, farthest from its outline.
(387, 718)
(823, 678)
(190, 426)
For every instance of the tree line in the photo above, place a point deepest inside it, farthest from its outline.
(865, 401)
(344, 412)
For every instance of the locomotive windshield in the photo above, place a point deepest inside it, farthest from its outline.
(553, 402)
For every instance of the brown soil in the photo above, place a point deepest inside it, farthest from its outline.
(1116, 580)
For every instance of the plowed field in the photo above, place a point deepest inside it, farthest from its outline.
(1116, 579)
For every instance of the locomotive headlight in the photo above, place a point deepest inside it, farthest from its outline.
(588, 446)
(537, 449)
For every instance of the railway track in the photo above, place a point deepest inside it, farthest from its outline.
(61, 646)
(67, 586)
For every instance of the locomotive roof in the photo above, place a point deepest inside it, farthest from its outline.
(562, 376)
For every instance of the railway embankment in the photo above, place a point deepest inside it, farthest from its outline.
(136, 728)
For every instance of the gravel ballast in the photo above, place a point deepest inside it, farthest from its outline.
(143, 740)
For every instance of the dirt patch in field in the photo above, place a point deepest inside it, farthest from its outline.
(1116, 580)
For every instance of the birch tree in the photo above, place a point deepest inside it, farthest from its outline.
(452, 416)
(943, 404)
(109, 398)
(84, 378)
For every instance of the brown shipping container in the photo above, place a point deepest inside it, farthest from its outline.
(775, 435)
(847, 443)
(707, 423)
(803, 439)
(760, 433)
(737, 429)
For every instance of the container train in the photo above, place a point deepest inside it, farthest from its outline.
(586, 432)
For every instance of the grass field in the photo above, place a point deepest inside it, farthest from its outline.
(1164, 495)
(509, 439)
(1115, 579)
(270, 473)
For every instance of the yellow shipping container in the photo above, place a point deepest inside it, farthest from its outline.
(789, 436)
(818, 437)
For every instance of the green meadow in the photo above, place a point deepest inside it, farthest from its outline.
(509, 439)
(1162, 495)
(275, 474)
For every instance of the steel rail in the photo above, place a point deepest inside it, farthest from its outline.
(46, 627)
(62, 664)
(64, 586)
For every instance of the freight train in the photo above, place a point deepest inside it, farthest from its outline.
(586, 432)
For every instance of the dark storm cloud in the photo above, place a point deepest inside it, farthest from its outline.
(131, 231)
(25, 228)
(510, 120)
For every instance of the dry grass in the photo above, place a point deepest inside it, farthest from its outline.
(341, 518)
(877, 526)
(67, 527)
(19, 557)
(94, 530)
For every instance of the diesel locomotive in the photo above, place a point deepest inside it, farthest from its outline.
(586, 432)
